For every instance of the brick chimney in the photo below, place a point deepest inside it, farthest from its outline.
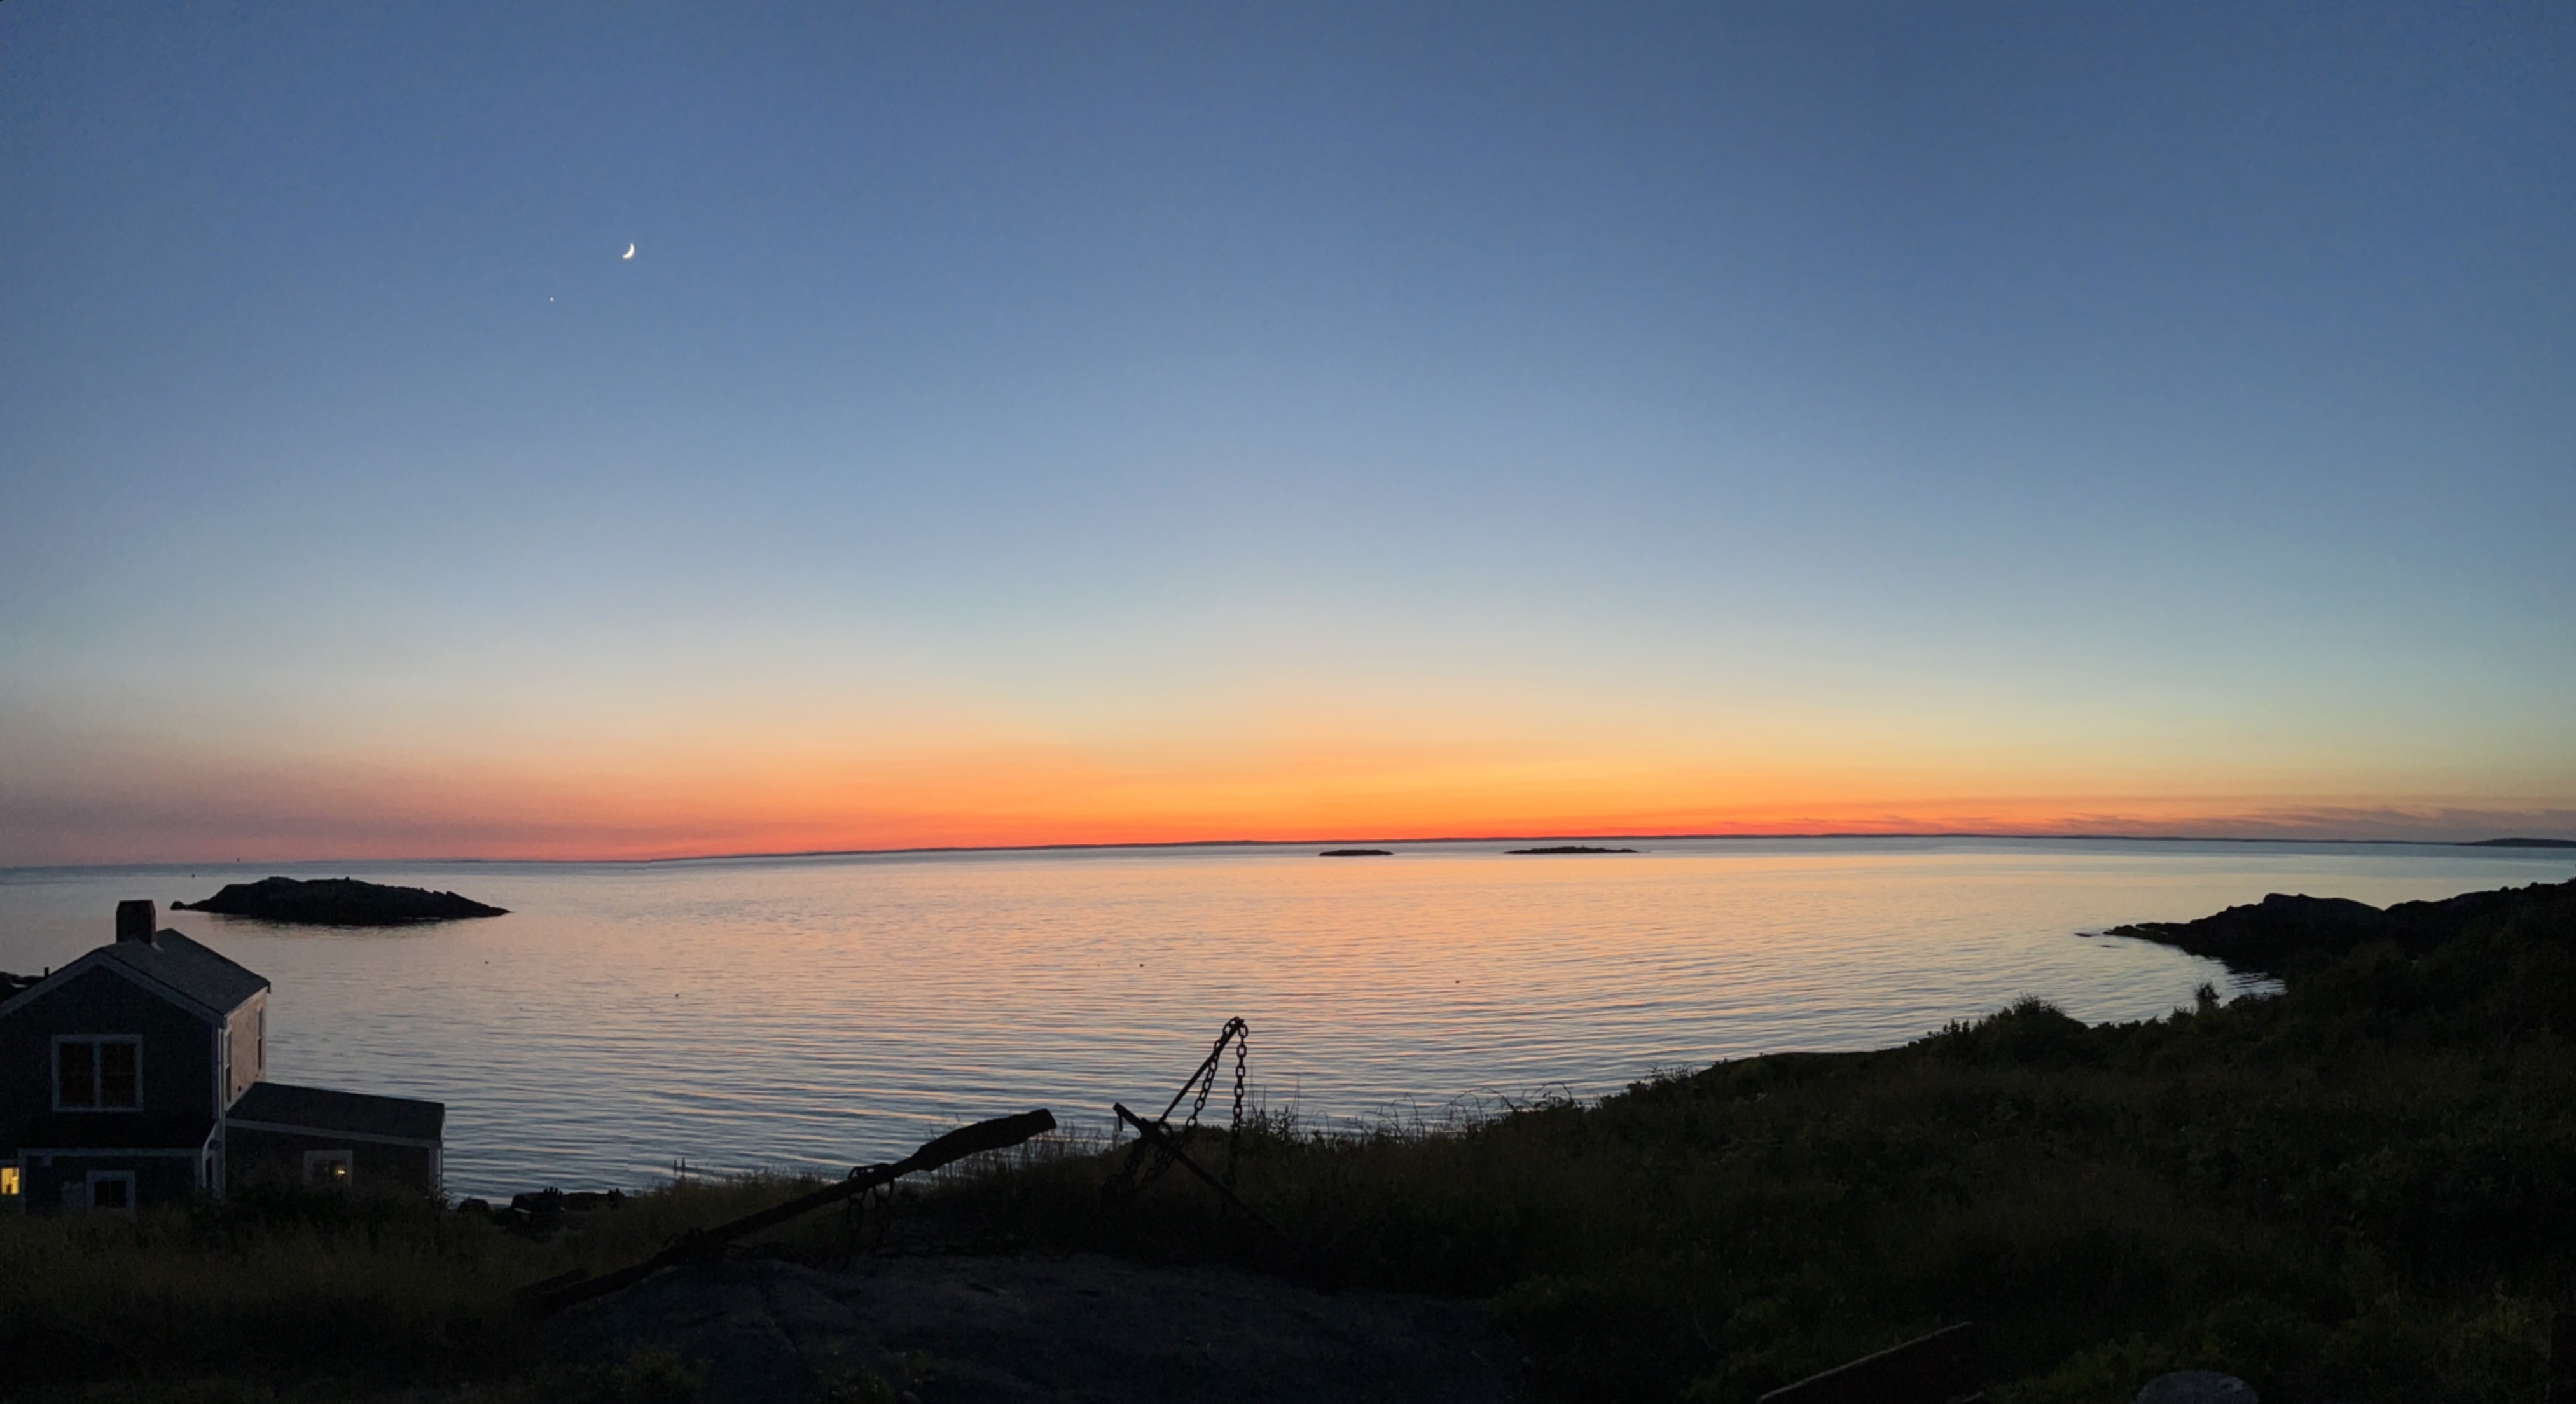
(135, 921)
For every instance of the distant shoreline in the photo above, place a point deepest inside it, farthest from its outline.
(2509, 845)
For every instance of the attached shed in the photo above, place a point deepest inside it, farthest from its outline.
(316, 1135)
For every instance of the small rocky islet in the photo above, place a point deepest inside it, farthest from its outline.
(338, 902)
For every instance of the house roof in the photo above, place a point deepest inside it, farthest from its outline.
(284, 1105)
(64, 1131)
(193, 970)
(170, 965)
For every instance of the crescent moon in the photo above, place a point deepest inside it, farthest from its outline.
(630, 252)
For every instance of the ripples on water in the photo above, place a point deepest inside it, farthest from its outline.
(821, 1012)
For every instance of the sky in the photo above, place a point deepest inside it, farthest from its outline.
(1063, 424)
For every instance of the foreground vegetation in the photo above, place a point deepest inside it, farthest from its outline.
(2361, 1189)
(2364, 1188)
(290, 1294)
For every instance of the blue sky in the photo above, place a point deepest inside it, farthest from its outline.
(2152, 414)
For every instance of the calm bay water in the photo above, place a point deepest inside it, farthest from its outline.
(822, 1012)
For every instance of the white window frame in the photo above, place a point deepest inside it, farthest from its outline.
(346, 1159)
(97, 1083)
(97, 1177)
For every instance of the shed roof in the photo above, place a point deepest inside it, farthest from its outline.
(322, 1109)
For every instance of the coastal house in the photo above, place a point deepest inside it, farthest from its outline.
(137, 1075)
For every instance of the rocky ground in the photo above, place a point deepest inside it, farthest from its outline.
(958, 1329)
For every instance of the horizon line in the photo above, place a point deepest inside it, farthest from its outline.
(2508, 842)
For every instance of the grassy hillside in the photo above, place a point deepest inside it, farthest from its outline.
(304, 1295)
(2361, 1189)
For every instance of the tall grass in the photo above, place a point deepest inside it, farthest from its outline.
(288, 1288)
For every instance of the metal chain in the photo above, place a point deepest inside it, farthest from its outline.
(1236, 1032)
(1234, 1133)
(1206, 1079)
(1136, 1175)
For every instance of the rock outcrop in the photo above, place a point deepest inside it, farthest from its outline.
(337, 902)
(2276, 932)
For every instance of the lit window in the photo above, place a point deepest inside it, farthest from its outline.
(329, 1168)
(8, 1180)
(98, 1074)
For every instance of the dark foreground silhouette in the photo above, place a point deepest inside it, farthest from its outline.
(1036, 1329)
(337, 902)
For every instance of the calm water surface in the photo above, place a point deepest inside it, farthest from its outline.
(822, 1012)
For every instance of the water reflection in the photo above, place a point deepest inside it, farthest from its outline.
(822, 1012)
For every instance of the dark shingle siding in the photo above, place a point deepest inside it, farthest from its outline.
(191, 969)
(322, 1109)
(92, 996)
(61, 1131)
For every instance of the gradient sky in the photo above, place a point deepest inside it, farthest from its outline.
(1097, 423)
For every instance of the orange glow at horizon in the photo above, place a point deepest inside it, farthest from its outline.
(792, 800)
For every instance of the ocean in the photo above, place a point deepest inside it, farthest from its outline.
(813, 1013)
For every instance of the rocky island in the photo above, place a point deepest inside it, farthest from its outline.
(1356, 853)
(337, 902)
(1566, 848)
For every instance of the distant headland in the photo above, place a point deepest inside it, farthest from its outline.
(2283, 929)
(1568, 848)
(1454, 839)
(337, 902)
